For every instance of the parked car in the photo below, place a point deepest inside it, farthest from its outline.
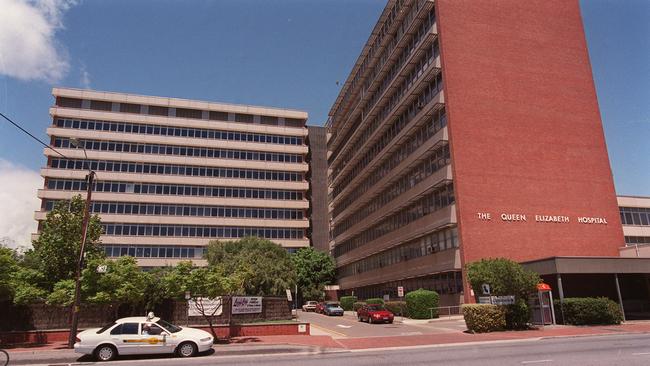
(320, 308)
(141, 335)
(310, 306)
(333, 309)
(374, 313)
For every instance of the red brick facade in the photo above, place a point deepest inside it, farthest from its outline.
(525, 131)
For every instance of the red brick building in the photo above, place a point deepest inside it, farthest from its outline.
(466, 130)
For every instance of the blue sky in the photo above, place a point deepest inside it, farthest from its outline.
(285, 53)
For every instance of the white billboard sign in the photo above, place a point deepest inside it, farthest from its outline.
(204, 305)
(246, 304)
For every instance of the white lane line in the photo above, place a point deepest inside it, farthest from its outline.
(534, 361)
(641, 354)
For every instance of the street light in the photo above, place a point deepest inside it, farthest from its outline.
(77, 289)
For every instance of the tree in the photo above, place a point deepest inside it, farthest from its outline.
(259, 266)
(209, 283)
(57, 248)
(8, 266)
(27, 285)
(314, 269)
(506, 277)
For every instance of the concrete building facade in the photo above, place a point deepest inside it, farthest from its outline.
(173, 174)
(467, 130)
(635, 216)
(317, 176)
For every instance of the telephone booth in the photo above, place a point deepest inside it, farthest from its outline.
(542, 305)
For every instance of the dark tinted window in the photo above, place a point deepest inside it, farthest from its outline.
(117, 330)
(126, 328)
(103, 329)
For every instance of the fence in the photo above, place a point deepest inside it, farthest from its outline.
(446, 311)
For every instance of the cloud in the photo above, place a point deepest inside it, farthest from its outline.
(29, 49)
(18, 201)
(85, 77)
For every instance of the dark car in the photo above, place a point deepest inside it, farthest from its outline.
(333, 309)
(375, 313)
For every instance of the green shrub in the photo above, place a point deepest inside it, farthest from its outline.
(375, 300)
(357, 305)
(518, 315)
(420, 302)
(482, 318)
(347, 302)
(397, 307)
(591, 310)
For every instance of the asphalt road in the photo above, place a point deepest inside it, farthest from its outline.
(628, 350)
(348, 326)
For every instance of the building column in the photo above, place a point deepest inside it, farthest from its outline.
(618, 292)
(560, 289)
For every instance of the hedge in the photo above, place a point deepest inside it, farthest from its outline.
(347, 302)
(357, 305)
(482, 318)
(518, 315)
(375, 300)
(397, 307)
(590, 310)
(420, 302)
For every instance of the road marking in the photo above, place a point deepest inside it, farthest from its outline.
(641, 354)
(327, 330)
(535, 361)
(344, 326)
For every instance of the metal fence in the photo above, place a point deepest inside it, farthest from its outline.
(448, 311)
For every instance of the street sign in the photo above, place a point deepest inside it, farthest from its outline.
(102, 268)
(503, 300)
(400, 291)
(188, 295)
(289, 298)
(486, 289)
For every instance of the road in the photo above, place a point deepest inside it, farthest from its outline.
(348, 326)
(628, 350)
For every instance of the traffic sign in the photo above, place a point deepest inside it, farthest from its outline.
(486, 289)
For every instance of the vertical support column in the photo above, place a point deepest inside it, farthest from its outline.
(561, 293)
(620, 298)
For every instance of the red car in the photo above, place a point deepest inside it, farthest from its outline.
(375, 313)
(320, 307)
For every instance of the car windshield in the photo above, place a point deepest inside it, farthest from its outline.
(103, 329)
(332, 305)
(169, 326)
(375, 307)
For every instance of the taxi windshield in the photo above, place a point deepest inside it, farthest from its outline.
(169, 326)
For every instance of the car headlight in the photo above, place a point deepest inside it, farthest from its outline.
(206, 339)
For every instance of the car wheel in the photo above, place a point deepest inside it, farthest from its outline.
(359, 318)
(187, 349)
(105, 352)
(390, 322)
(369, 320)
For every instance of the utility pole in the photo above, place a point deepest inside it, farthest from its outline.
(77, 288)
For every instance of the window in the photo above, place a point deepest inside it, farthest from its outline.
(188, 113)
(100, 105)
(218, 116)
(129, 108)
(158, 110)
(246, 118)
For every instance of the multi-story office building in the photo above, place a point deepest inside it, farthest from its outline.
(635, 216)
(470, 130)
(173, 174)
(317, 176)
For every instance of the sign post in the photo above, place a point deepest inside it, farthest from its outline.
(400, 294)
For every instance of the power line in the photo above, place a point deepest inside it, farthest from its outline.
(30, 135)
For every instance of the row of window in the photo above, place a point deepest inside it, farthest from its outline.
(146, 251)
(124, 208)
(433, 88)
(216, 232)
(370, 56)
(168, 169)
(631, 240)
(100, 105)
(442, 283)
(638, 216)
(175, 189)
(204, 152)
(437, 122)
(203, 133)
(429, 203)
(426, 245)
(438, 159)
(398, 124)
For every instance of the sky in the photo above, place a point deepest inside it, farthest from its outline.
(282, 53)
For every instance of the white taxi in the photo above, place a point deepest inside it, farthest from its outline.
(142, 335)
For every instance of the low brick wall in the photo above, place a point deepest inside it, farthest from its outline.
(273, 308)
(223, 332)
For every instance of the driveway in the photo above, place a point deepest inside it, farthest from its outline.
(348, 326)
